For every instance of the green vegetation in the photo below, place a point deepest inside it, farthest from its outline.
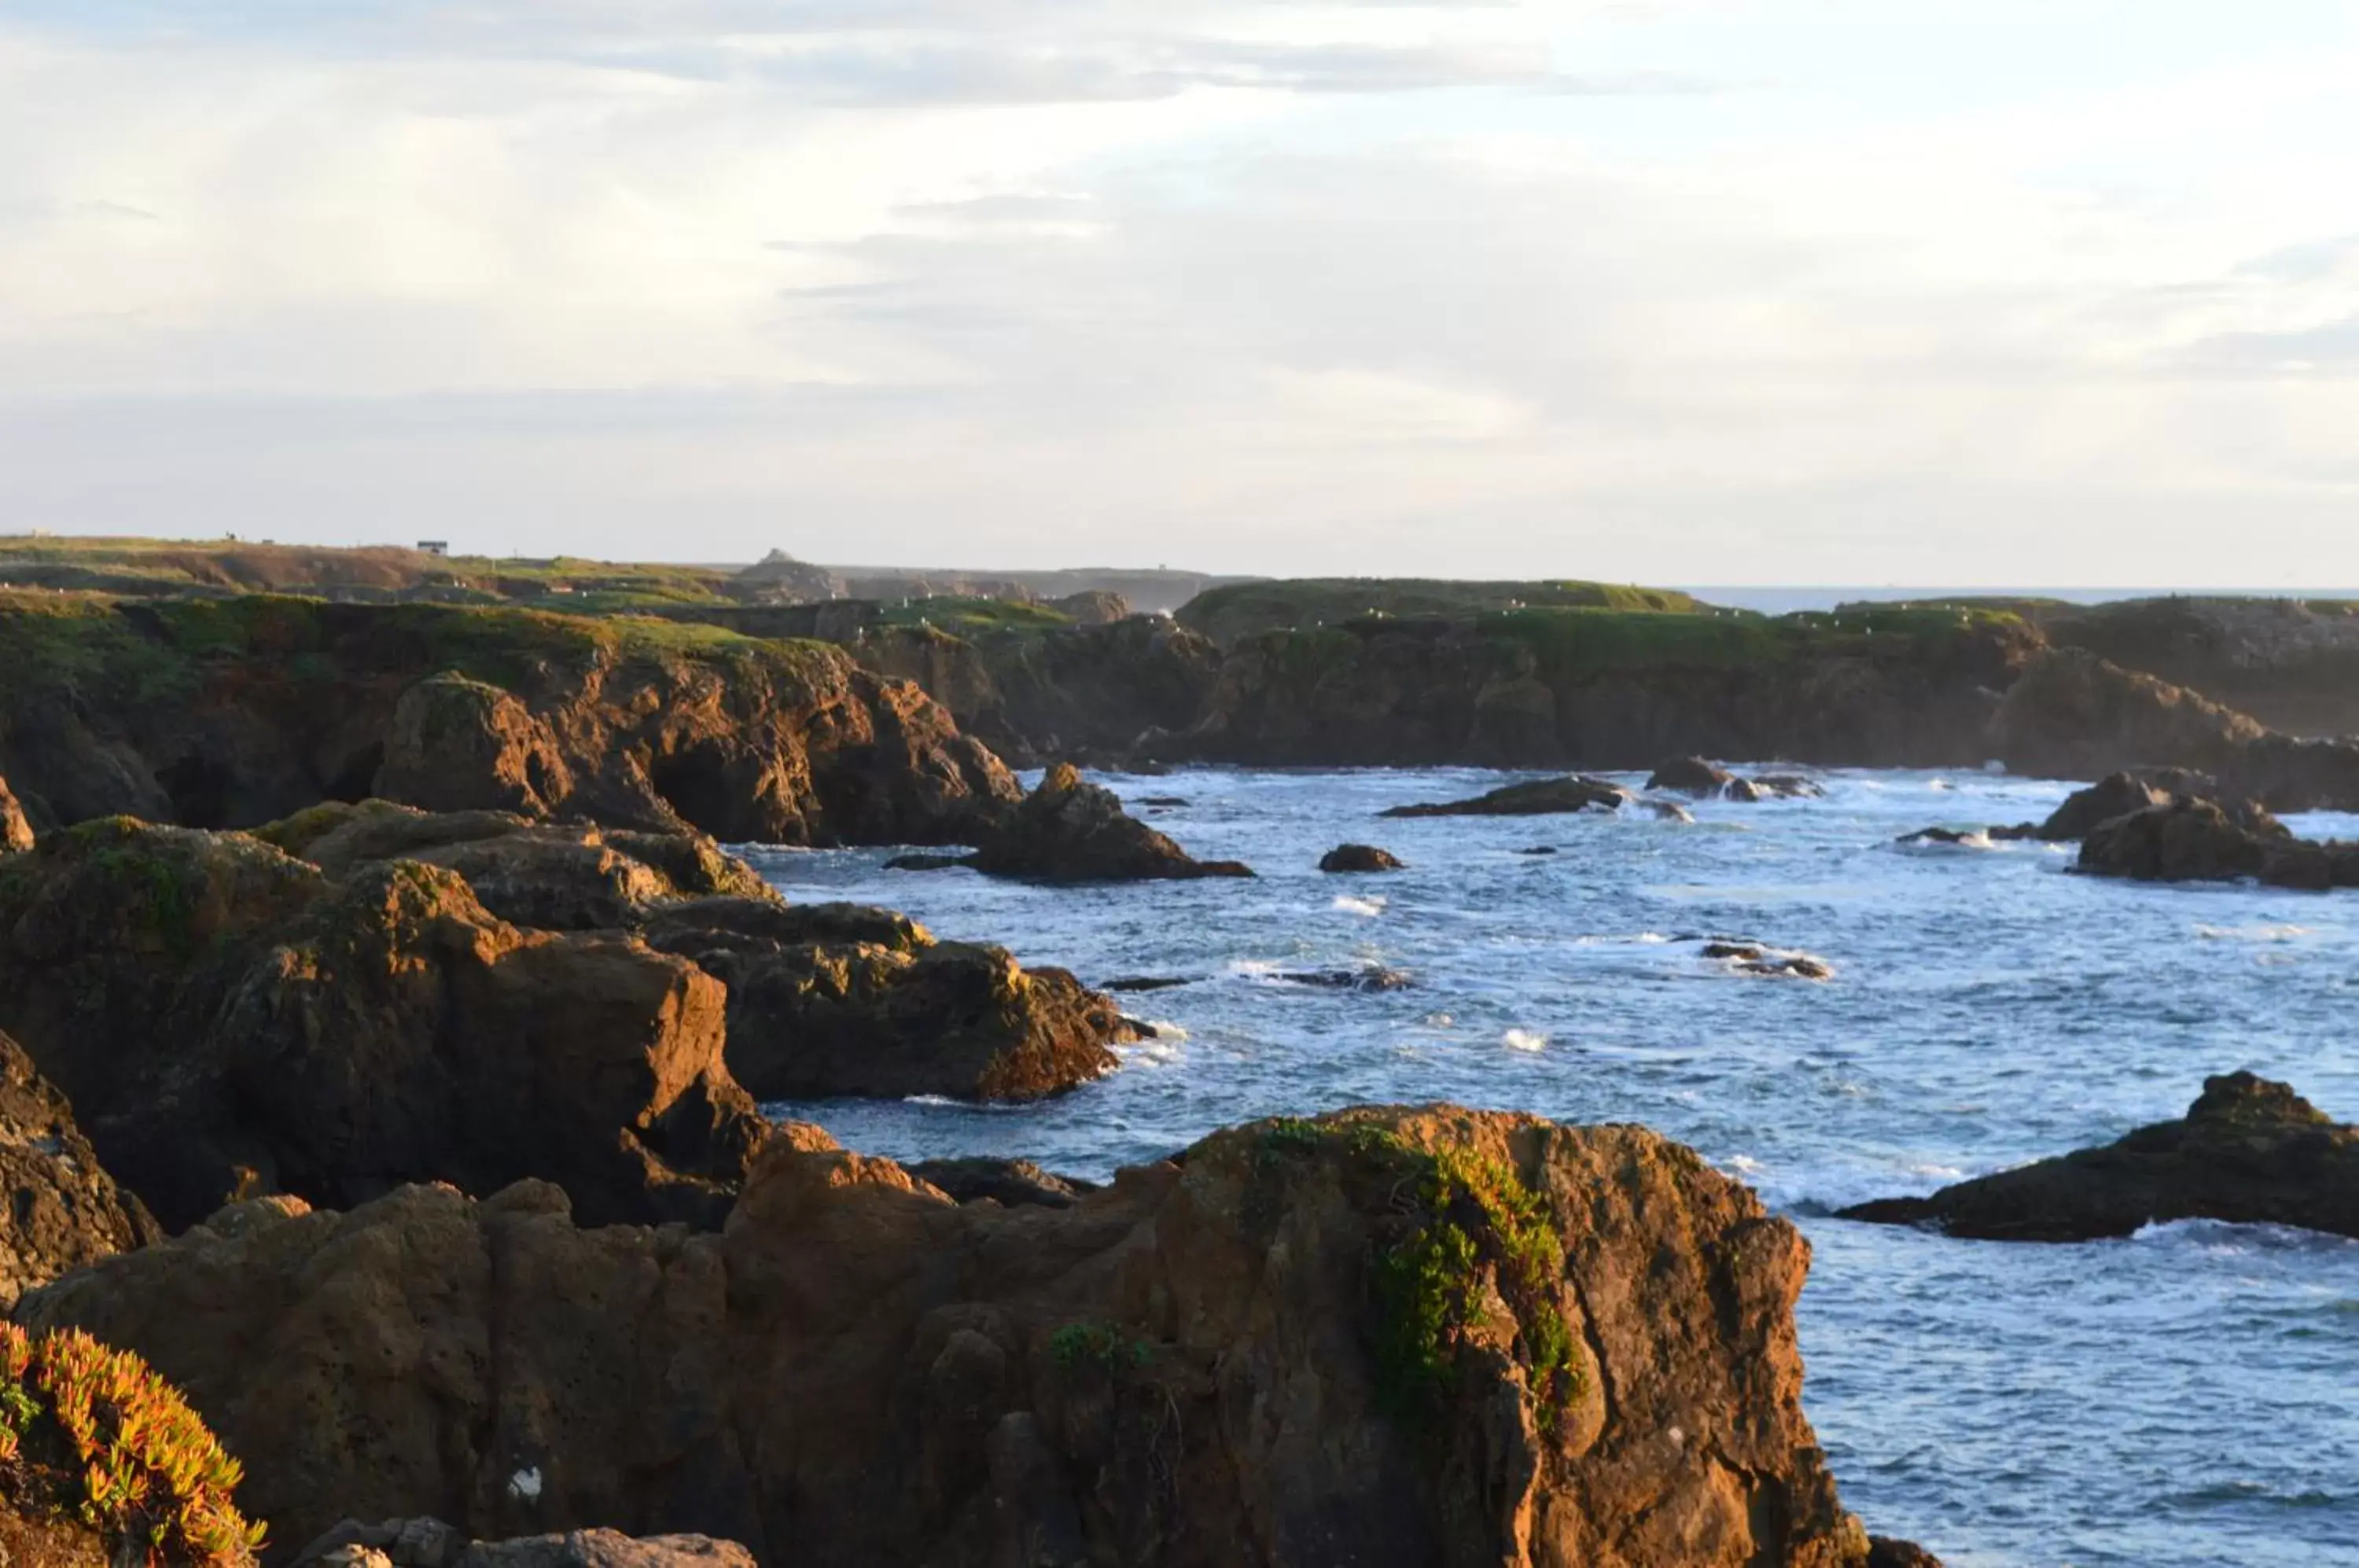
(970, 618)
(1242, 609)
(1469, 1228)
(157, 891)
(94, 1434)
(1104, 1346)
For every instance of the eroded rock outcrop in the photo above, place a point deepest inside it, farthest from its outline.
(1068, 830)
(237, 712)
(227, 1019)
(2249, 1151)
(1387, 1337)
(836, 1000)
(59, 1208)
(429, 1543)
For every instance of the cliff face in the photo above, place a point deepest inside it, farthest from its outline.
(2292, 664)
(230, 714)
(1387, 1337)
(1612, 690)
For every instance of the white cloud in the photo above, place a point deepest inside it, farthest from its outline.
(1482, 287)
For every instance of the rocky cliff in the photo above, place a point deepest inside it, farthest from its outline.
(1384, 1337)
(233, 712)
(1612, 689)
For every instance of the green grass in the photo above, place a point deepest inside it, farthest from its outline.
(970, 618)
(1242, 609)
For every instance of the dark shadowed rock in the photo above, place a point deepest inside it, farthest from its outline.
(928, 862)
(1359, 858)
(2115, 795)
(1535, 798)
(2249, 1151)
(1883, 1551)
(1967, 838)
(1753, 958)
(836, 1000)
(1008, 1183)
(1371, 978)
(2074, 715)
(1070, 830)
(858, 1371)
(1148, 983)
(2201, 841)
(430, 1543)
(59, 1208)
(1790, 787)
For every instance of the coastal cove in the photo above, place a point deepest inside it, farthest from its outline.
(2177, 1399)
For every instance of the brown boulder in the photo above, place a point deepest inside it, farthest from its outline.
(1362, 857)
(59, 1208)
(228, 1021)
(1385, 1337)
(1068, 830)
(2083, 811)
(2248, 1151)
(1534, 798)
(841, 1000)
(457, 745)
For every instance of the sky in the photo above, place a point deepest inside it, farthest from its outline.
(1731, 291)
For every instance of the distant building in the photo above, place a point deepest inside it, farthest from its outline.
(433, 547)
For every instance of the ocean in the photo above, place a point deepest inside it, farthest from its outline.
(2182, 1398)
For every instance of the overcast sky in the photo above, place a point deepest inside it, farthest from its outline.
(1858, 292)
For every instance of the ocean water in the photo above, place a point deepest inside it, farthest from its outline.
(2183, 1397)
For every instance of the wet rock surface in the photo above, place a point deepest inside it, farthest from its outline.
(1535, 797)
(1358, 857)
(2249, 1151)
(1620, 1382)
(2203, 841)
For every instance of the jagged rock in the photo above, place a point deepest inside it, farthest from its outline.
(859, 1371)
(245, 711)
(227, 1020)
(1093, 606)
(1535, 798)
(848, 1001)
(430, 1543)
(1068, 830)
(554, 877)
(1008, 1183)
(1359, 858)
(2201, 841)
(1753, 958)
(59, 1208)
(15, 832)
(1968, 837)
(1704, 780)
(2249, 1151)
(2115, 795)
(2074, 715)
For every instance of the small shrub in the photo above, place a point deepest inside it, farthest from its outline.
(1101, 1344)
(94, 1433)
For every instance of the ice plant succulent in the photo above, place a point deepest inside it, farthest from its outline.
(94, 1433)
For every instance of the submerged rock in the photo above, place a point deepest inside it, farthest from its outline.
(1148, 983)
(1790, 786)
(59, 1208)
(1373, 977)
(1535, 797)
(2249, 1151)
(1359, 858)
(928, 862)
(1753, 958)
(1070, 830)
(859, 1371)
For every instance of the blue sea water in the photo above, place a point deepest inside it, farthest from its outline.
(2182, 1398)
